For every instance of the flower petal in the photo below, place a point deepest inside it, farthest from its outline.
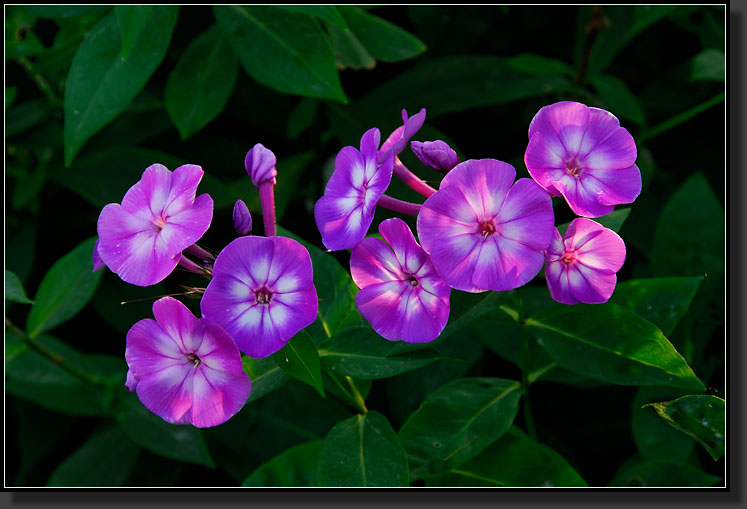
(372, 261)
(590, 286)
(184, 182)
(527, 216)
(150, 349)
(217, 395)
(552, 118)
(614, 187)
(179, 323)
(557, 282)
(397, 234)
(381, 305)
(169, 393)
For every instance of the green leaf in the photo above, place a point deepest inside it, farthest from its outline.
(381, 39)
(655, 439)
(179, 442)
(296, 467)
(64, 290)
(102, 82)
(106, 459)
(26, 115)
(286, 51)
(363, 451)
(299, 359)
(104, 177)
(618, 98)
(467, 307)
(328, 13)
(131, 20)
(63, 11)
(361, 353)
(661, 301)
(206, 70)
(709, 65)
(529, 63)
(689, 237)
(349, 50)
(610, 343)
(457, 422)
(700, 417)
(265, 374)
(10, 96)
(301, 117)
(513, 460)
(614, 221)
(663, 474)
(14, 289)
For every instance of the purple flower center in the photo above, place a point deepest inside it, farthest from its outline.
(487, 228)
(194, 359)
(573, 168)
(264, 296)
(568, 257)
(412, 280)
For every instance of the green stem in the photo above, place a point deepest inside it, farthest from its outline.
(357, 403)
(35, 345)
(682, 117)
(357, 395)
(41, 81)
(525, 367)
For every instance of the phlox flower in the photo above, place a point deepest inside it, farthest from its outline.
(345, 212)
(482, 230)
(401, 295)
(185, 369)
(262, 293)
(582, 266)
(583, 154)
(397, 141)
(260, 165)
(142, 239)
(436, 154)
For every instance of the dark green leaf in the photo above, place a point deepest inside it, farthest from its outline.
(296, 467)
(466, 307)
(26, 115)
(663, 474)
(328, 13)
(690, 235)
(457, 422)
(661, 301)
(14, 289)
(709, 65)
(610, 343)
(529, 63)
(653, 437)
(131, 20)
(299, 359)
(701, 417)
(513, 460)
(65, 289)
(363, 451)
(179, 442)
(265, 374)
(101, 82)
(199, 86)
(614, 221)
(618, 98)
(349, 51)
(63, 11)
(383, 40)
(301, 117)
(106, 459)
(361, 353)
(286, 51)
(10, 96)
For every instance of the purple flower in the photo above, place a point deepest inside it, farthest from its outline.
(262, 293)
(436, 154)
(143, 238)
(583, 154)
(401, 294)
(582, 266)
(98, 263)
(481, 232)
(397, 141)
(184, 369)
(242, 218)
(260, 165)
(345, 212)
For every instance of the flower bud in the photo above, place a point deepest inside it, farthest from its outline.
(436, 154)
(242, 219)
(260, 165)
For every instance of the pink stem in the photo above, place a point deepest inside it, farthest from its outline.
(412, 180)
(403, 207)
(267, 197)
(200, 253)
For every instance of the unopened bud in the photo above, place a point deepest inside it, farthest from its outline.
(436, 154)
(260, 165)
(242, 219)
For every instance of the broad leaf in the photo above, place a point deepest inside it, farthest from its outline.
(106, 459)
(614, 221)
(515, 461)
(131, 20)
(101, 82)
(201, 83)
(709, 65)
(381, 39)
(529, 63)
(618, 98)
(328, 13)
(265, 374)
(349, 50)
(701, 417)
(663, 474)
(458, 421)
(296, 467)
(610, 343)
(361, 353)
(14, 289)
(653, 437)
(65, 289)
(299, 359)
(284, 50)
(182, 442)
(363, 451)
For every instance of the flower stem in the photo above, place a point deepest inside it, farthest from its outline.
(355, 402)
(682, 117)
(357, 395)
(412, 180)
(404, 207)
(267, 197)
(525, 366)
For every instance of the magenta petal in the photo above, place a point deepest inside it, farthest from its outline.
(580, 194)
(397, 141)
(552, 118)
(98, 263)
(557, 283)
(372, 261)
(217, 396)
(184, 182)
(168, 393)
(260, 165)
(483, 182)
(187, 227)
(397, 234)
(589, 286)
(370, 143)
(149, 195)
(615, 186)
(150, 349)
(526, 216)
(380, 304)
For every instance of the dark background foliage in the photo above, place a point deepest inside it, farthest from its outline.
(485, 73)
